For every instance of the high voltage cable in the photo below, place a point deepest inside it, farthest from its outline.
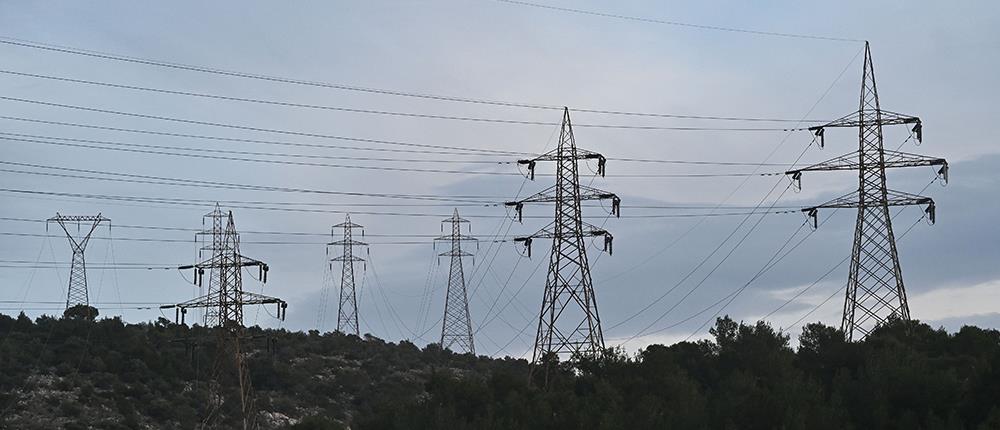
(189, 241)
(326, 136)
(243, 232)
(356, 110)
(189, 202)
(468, 152)
(337, 157)
(773, 261)
(148, 179)
(242, 127)
(761, 202)
(736, 293)
(814, 309)
(277, 79)
(124, 147)
(678, 23)
(158, 180)
(844, 260)
(257, 153)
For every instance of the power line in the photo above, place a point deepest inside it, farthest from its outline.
(241, 127)
(244, 232)
(345, 87)
(202, 203)
(385, 159)
(357, 110)
(469, 152)
(326, 136)
(740, 186)
(678, 23)
(148, 179)
(189, 241)
(814, 309)
(30, 138)
(132, 148)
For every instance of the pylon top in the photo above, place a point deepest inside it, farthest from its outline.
(347, 223)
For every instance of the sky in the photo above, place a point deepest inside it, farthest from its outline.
(935, 60)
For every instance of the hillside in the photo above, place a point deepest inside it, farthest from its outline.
(76, 373)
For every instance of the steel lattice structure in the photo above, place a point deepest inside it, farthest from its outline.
(347, 310)
(456, 327)
(224, 304)
(77, 293)
(568, 322)
(875, 291)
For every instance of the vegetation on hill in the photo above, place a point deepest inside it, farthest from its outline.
(77, 372)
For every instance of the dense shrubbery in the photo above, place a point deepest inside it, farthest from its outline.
(78, 373)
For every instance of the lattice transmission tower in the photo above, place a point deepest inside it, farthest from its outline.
(77, 293)
(456, 328)
(875, 291)
(347, 310)
(568, 323)
(224, 304)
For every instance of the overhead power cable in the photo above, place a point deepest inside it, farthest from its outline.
(202, 203)
(326, 136)
(743, 221)
(242, 127)
(264, 142)
(363, 111)
(136, 148)
(250, 232)
(188, 241)
(679, 23)
(352, 148)
(161, 180)
(345, 87)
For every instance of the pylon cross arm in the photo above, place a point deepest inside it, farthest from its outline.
(856, 119)
(557, 155)
(852, 161)
(548, 195)
(347, 242)
(456, 237)
(893, 198)
(548, 232)
(79, 218)
(343, 258)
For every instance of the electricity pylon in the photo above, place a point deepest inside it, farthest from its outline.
(77, 293)
(347, 311)
(875, 291)
(224, 304)
(456, 328)
(568, 322)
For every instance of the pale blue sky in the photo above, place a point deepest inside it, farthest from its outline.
(937, 60)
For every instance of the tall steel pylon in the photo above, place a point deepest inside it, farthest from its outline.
(77, 293)
(456, 327)
(875, 291)
(347, 310)
(568, 323)
(224, 304)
